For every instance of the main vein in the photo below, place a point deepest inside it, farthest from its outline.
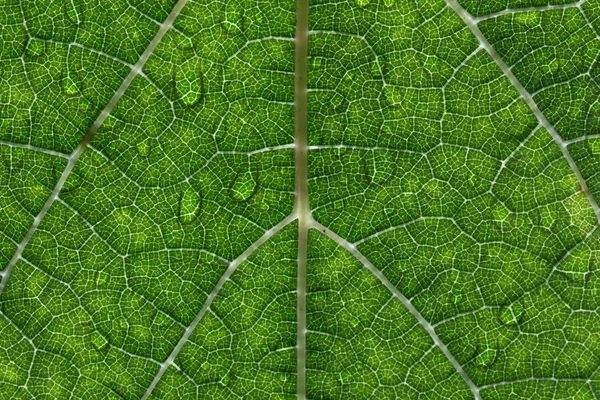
(472, 25)
(302, 206)
(72, 160)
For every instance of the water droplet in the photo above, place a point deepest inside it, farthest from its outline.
(392, 94)
(337, 100)
(595, 146)
(189, 82)
(98, 341)
(73, 14)
(380, 166)
(101, 278)
(69, 86)
(189, 205)
(362, 3)
(225, 379)
(143, 148)
(35, 48)
(512, 314)
(243, 187)
(234, 17)
(486, 358)
(375, 70)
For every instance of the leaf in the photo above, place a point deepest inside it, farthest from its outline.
(197, 202)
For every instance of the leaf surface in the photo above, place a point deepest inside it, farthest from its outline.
(225, 199)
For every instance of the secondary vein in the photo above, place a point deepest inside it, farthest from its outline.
(210, 298)
(404, 300)
(471, 23)
(74, 157)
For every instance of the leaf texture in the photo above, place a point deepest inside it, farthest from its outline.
(273, 199)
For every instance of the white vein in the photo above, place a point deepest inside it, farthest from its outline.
(224, 278)
(472, 25)
(72, 159)
(550, 7)
(34, 148)
(405, 301)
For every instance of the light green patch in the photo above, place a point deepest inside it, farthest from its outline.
(190, 205)
(243, 187)
(36, 47)
(98, 341)
(69, 87)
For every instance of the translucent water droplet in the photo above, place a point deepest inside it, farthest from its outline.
(511, 315)
(101, 278)
(392, 94)
(143, 148)
(98, 341)
(375, 70)
(73, 14)
(243, 187)
(595, 146)
(225, 379)
(486, 358)
(380, 166)
(234, 17)
(69, 86)
(189, 82)
(35, 48)
(189, 205)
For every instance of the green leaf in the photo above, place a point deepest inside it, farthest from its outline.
(197, 202)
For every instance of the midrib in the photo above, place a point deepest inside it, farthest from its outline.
(301, 207)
